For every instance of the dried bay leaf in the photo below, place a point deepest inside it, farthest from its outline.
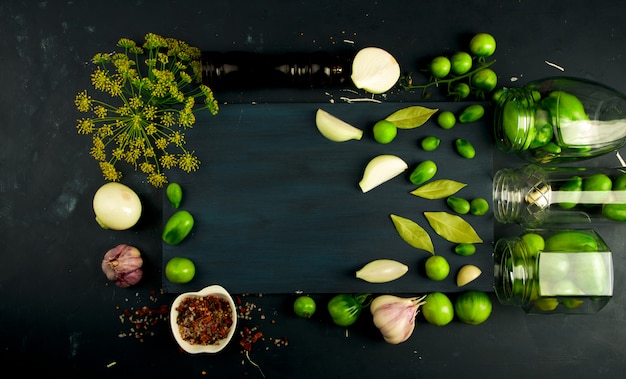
(411, 117)
(438, 189)
(413, 234)
(452, 227)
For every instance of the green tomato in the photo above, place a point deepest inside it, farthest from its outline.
(304, 306)
(438, 309)
(385, 131)
(484, 80)
(458, 204)
(440, 67)
(465, 148)
(460, 63)
(461, 90)
(619, 183)
(546, 304)
(446, 120)
(423, 172)
(575, 186)
(479, 206)
(473, 307)
(180, 270)
(430, 143)
(345, 309)
(534, 243)
(482, 45)
(601, 184)
(437, 267)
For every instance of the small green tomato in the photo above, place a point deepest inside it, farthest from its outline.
(440, 67)
(304, 306)
(446, 120)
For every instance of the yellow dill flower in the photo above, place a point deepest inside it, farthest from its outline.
(161, 143)
(146, 167)
(100, 111)
(85, 126)
(151, 129)
(186, 118)
(188, 162)
(109, 172)
(155, 86)
(157, 179)
(83, 101)
(168, 160)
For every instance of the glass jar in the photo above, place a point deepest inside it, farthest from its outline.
(560, 120)
(535, 195)
(554, 271)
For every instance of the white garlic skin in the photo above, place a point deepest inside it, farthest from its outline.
(395, 316)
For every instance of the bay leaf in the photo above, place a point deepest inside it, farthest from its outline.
(411, 117)
(413, 234)
(452, 227)
(438, 189)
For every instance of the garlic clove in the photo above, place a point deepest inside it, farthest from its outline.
(382, 271)
(375, 70)
(467, 274)
(381, 169)
(336, 129)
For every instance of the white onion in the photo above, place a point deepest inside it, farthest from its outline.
(116, 206)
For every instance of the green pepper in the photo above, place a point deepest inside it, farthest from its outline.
(465, 249)
(615, 212)
(423, 172)
(573, 184)
(465, 148)
(174, 194)
(458, 204)
(345, 309)
(571, 241)
(472, 113)
(543, 130)
(177, 227)
(564, 106)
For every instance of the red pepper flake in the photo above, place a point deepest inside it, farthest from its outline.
(204, 320)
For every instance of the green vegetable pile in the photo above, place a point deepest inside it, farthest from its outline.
(461, 74)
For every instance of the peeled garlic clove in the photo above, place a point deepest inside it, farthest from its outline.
(336, 129)
(467, 274)
(381, 169)
(382, 271)
(375, 70)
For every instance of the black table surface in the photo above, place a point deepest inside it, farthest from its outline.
(60, 316)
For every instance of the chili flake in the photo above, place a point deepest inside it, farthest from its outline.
(204, 320)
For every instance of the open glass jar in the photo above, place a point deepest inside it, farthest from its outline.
(559, 120)
(554, 271)
(536, 195)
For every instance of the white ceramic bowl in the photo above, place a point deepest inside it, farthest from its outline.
(214, 290)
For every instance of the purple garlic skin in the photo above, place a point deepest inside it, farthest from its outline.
(122, 265)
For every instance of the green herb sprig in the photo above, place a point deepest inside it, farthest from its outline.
(155, 87)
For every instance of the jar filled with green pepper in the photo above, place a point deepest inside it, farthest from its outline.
(560, 119)
(554, 271)
(535, 195)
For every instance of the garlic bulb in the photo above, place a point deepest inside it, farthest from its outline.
(395, 316)
(382, 271)
(122, 264)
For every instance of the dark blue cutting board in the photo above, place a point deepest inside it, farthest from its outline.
(278, 208)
